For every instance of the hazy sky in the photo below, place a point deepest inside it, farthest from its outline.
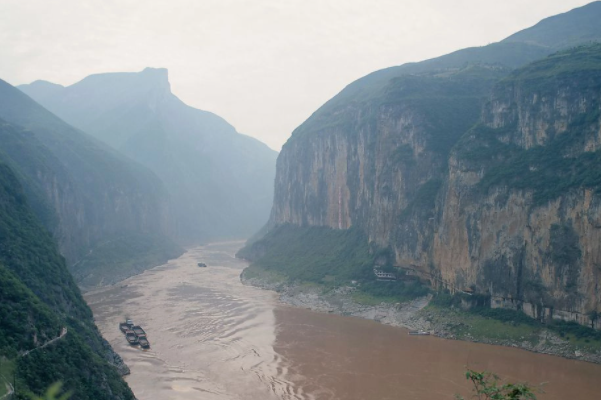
(263, 65)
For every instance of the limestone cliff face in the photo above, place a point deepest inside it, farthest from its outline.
(502, 240)
(512, 212)
(378, 164)
(365, 179)
(84, 221)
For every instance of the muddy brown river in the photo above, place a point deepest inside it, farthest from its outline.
(214, 338)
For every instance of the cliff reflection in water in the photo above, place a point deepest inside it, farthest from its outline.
(214, 338)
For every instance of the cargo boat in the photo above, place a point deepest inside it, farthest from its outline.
(144, 343)
(138, 330)
(419, 333)
(127, 325)
(131, 337)
(134, 334)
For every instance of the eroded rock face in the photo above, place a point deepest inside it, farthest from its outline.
(378, 164)
(366, 179)
(542, 257)
(528, 238)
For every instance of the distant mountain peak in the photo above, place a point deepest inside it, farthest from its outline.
(43, 89)
(156, 71)
(42, 83)
(156, 75)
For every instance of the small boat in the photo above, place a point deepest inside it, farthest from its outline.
(138, 330)
(144, 343)
(419, 333)
(131, 337)
(127, 325)
(202, 265)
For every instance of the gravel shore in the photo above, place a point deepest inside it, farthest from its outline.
(411, 315)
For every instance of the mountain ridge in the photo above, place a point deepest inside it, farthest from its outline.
(220, 181)
(512, 52)
(82, 189)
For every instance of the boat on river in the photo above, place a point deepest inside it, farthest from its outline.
(134, 334)
(138, 330)
(131, 337)
(144, 343)
(125, 326)
(419, 333)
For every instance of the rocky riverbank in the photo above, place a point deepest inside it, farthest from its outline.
(115, 359)
(415, 315)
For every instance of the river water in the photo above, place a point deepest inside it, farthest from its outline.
(214, 338)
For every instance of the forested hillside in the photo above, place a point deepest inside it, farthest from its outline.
(38, 298)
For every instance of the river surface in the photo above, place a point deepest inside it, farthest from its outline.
(214, 338)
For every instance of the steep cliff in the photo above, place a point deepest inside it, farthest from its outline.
(519, 215)
(379, 164)
(84, 192)
(475, 193)
(220, 181)
(38, 299)
(375, 155)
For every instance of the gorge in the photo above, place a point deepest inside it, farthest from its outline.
(458, 197)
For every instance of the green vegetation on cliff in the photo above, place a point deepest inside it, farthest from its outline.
(560, 165)
(579, 66)
(498, 325)
(326, 257)
(38, 298)
(448, 102)
(313, 254)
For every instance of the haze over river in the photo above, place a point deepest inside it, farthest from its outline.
(214, 338)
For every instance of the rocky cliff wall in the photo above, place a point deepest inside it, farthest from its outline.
(378, 165)
(524, 225)
(511, 212)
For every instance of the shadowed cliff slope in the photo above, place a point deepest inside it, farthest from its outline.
(85, 193)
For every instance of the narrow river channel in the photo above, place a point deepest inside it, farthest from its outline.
(214, 338)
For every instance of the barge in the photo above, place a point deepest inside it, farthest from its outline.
(138, 330)
(144, 343)
(134, 334)
(125, 326)
(131, 337)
